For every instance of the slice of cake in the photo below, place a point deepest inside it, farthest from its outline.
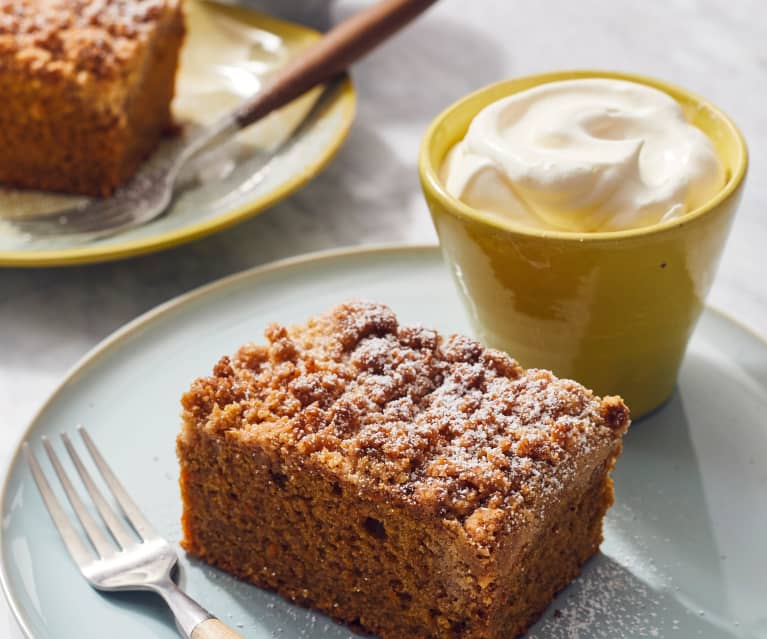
(86, 88)
(411, 484)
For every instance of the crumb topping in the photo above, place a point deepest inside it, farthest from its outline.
(458, 429)
(74, 36)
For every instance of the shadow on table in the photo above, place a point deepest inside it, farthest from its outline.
(661, 513)
(424, 68)
(609, 601)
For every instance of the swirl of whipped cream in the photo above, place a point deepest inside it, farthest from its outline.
(584, 155)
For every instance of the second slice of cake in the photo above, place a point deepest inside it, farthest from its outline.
(86, 89)
(407, 483)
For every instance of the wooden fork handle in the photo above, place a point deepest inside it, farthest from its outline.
(214, 629)
(333, 54)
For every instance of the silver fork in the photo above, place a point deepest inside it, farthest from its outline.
(137, 558)
(151, 191)
(148, 195)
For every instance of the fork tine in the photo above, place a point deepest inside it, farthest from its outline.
(98, 539)
(119, 530)
(100, 218)
(129, 508)
(43, 227)
(72, 540)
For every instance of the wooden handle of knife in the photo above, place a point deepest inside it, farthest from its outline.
(333, 54)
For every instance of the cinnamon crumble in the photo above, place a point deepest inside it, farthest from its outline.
(444, 449)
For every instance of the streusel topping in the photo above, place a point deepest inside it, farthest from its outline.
(443, 422)
(74, 36)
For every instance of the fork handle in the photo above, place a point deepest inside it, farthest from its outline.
(192, 620)
(214, 629)
(333, 54)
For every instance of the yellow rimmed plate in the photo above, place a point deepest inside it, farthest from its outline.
(229, 53)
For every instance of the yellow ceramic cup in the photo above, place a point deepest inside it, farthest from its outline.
(612, 310)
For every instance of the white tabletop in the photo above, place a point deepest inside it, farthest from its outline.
(49, 318)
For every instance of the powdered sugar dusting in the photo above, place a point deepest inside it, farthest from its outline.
(606, 602)
(437, 421)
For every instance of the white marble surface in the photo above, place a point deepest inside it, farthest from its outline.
(49, 318)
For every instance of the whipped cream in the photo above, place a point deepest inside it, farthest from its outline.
(584, 155)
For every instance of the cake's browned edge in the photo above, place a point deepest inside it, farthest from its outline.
(216, 529)
(481, 562)
(569, 535)
(328, 548)
(84, 105)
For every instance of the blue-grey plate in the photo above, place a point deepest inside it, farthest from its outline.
(684, 553)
